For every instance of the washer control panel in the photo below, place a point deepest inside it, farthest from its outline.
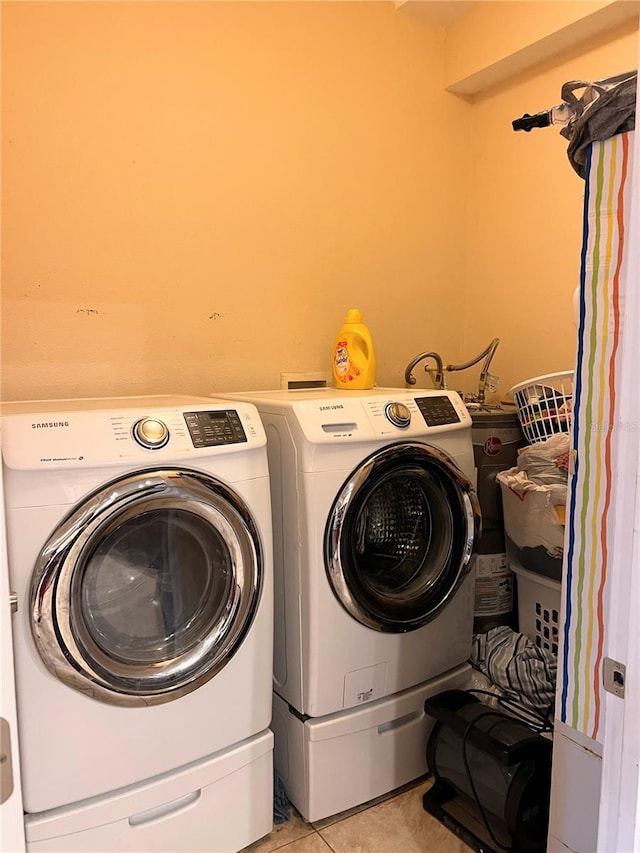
(212, 428)
(398, 414)
(437, 410)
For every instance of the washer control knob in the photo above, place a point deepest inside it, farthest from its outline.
(398, 414)
(151, 433)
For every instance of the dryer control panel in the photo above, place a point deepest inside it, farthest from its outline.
(82, 433)
(151, 433)
(209, 429)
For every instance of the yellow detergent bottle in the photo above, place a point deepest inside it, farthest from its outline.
(354, 361)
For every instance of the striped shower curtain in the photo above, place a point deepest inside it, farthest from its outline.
(598, 435)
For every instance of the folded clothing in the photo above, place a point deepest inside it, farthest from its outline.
(522, 672)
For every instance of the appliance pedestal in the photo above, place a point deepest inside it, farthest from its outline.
(333, 763)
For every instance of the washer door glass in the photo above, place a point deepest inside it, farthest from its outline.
(400, 537)
(144, 592)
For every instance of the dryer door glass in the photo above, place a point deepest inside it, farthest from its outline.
(153, 586)
(401, 536)
(145, 591)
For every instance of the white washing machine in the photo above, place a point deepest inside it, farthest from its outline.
(376, 522)
(139, 546)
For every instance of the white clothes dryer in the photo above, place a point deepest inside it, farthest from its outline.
(12, 815)
(139, 546)
(376, 522)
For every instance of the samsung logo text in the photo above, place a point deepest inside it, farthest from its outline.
(49, 424)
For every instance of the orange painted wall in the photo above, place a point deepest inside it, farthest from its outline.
(195, 193)
(525, 217)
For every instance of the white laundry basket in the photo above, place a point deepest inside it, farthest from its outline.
(538, 608)
(544, 405)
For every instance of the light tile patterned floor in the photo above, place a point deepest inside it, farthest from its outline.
(394, 824)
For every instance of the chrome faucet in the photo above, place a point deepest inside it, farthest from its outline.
(438, 379)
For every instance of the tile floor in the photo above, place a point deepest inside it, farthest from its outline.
(396, 823)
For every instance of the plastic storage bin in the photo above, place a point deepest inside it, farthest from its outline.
(544, 405)
(538, 608)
